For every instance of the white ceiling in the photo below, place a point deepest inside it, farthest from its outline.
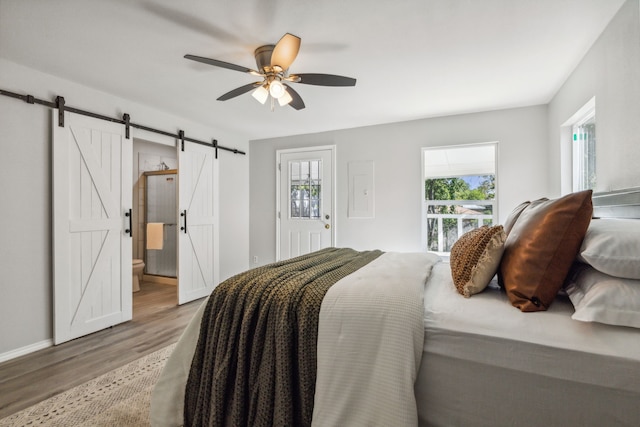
(412, 58)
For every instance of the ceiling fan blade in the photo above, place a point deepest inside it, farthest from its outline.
(324, 79)
(222, 64)
(285, 51)
(239, 91)
(296, 101)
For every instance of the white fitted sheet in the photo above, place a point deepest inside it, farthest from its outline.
(485, 363)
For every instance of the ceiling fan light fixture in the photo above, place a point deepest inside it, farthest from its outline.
(276, 89)
(285, 99)
(261, 94)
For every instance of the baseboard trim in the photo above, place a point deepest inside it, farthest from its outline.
(25, 350)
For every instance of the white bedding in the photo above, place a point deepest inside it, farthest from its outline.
(167, 398)
(370, 339)
(478, 361)
(485, 363)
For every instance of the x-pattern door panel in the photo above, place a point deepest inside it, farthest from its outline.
(92, 188)
(198, 237)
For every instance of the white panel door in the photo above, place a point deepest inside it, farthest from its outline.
(92, 191)
(305, 205)
(198, 217)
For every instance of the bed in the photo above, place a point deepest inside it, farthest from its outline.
(397, 343)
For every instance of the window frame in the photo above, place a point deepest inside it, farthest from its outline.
(424, 201)
(578, 160)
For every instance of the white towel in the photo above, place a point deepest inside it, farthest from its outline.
(155, 235)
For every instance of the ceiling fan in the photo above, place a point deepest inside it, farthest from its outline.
(273, 66)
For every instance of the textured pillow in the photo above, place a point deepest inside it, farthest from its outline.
(475, 258)
(541, 247)
(598, 297)
(513, 216)
(613, 247)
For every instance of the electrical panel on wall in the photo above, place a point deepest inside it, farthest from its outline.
(361, 189)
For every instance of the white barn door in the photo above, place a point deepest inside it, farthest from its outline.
(198, 218)
(92, 191)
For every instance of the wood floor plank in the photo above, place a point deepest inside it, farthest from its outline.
(157, 322)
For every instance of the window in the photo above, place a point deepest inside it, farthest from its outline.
(584, 148)
(459, 193)
(305, 185)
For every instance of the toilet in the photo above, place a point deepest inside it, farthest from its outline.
(138, 267)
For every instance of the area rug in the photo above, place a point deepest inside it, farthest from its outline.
(118, 398)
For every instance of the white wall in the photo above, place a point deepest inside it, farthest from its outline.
(395, 150)
(610, 71)
(534, 160)
(25, 196)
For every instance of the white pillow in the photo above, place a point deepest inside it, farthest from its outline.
(598, 297)
(613, 247)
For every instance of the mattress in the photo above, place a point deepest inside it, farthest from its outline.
(485, 363)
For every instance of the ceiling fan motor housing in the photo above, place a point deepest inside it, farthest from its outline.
(263, 57)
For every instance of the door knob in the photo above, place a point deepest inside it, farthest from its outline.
(327, 226)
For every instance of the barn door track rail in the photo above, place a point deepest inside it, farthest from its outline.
(126, 121)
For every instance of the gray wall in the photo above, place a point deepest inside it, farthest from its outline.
(395, 150)
(534, 154)
(25, 197)
(610, 71)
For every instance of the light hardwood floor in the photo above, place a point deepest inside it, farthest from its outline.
(157, 322)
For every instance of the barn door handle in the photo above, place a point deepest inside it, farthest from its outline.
(184, 228)
(129, 230)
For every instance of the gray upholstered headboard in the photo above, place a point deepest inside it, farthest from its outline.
(617, 204)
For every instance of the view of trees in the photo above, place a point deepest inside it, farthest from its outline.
(454, 189)
(459, 189)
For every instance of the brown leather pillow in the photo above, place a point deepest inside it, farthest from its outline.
(508, 225)
(541, 247)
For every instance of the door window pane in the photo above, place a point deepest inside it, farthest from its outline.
(305, 189)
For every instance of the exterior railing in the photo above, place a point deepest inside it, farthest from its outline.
(463, 221)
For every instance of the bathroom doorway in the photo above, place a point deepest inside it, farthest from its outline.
(192, 170)
(161, 220)
(155, 179)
